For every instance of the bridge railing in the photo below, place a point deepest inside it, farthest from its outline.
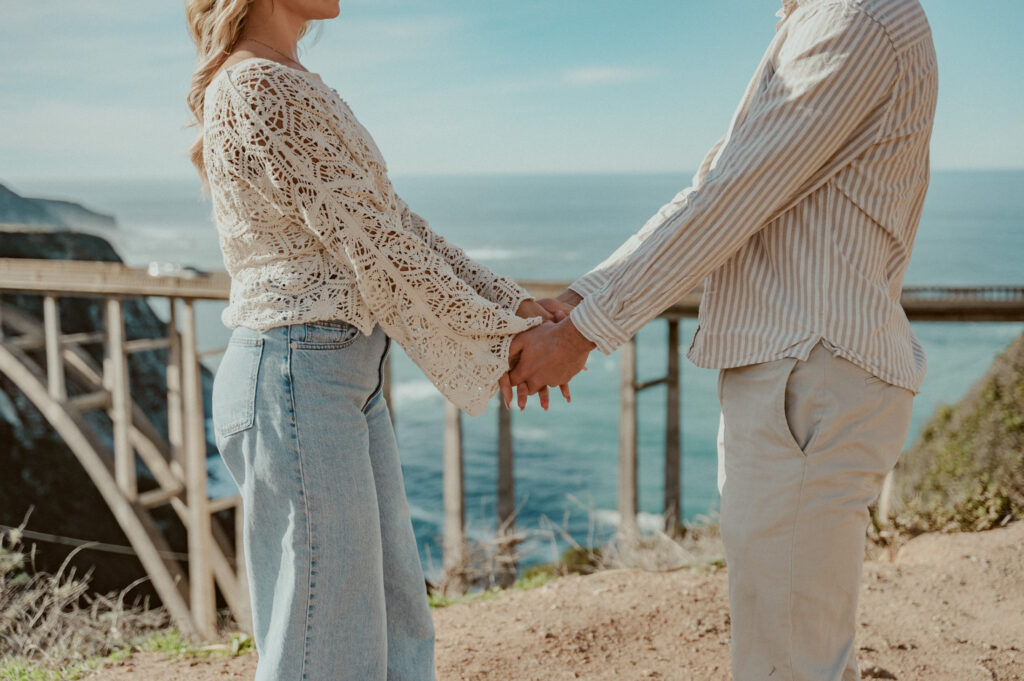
(179, 464)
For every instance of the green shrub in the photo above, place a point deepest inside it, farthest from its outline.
(966, 470)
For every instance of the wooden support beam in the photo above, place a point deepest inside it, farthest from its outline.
(84, 338)
(158, 497)
(115, 378)
(143, 534)
(640, 387)
(202, 597)
(175, 418)
(224, 503)
(885, 500)
(99, 399)
(54, 362)
(506, 506)
(454, 496)
(146, 344)
(627, 440)
(673, 439)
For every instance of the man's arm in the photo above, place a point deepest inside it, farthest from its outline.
(822, 107)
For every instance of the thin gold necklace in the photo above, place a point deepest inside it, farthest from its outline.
(276, 51)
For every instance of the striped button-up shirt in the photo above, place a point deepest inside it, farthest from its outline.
(802, 218)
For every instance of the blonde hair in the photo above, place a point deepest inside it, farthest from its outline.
(215, 26)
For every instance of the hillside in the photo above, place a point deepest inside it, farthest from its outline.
(21, 210)
(966, 470)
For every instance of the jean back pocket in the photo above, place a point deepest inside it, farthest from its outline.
(234, 387)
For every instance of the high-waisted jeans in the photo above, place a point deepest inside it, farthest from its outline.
(335, 578)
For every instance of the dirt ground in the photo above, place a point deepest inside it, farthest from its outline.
(946, 607)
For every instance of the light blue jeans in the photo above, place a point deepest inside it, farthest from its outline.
(335, 578)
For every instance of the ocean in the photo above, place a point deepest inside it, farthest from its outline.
(556, 227)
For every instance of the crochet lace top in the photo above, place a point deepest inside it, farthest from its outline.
(311, 229)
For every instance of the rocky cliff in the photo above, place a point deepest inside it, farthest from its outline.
(20, 210)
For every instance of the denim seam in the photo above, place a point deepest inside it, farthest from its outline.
(309, 519)
(380, 376)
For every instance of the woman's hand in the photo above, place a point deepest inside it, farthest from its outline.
(531, 308)
(527, 309)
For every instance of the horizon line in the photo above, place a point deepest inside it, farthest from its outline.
(443, 174)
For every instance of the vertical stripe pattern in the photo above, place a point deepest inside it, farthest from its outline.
(801, 220)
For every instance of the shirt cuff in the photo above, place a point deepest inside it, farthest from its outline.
(588, 284)
(515, 295)
(519, 300)
(596, 326)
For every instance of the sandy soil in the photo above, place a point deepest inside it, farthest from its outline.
(947, 607)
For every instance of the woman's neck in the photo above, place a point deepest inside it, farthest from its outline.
(274, 27)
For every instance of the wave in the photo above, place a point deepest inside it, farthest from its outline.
(498, 253)
(414, 391)
(646, 522)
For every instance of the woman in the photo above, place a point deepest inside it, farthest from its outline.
(327, 265)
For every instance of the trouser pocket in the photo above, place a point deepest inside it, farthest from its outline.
(234, 387)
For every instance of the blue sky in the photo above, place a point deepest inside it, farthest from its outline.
(96, 89)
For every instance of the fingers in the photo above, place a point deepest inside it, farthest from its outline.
(515, 349)
(554, 307)
(559, 316)
(545, 399)
(565, 392)
(505, 384)
(524, 394)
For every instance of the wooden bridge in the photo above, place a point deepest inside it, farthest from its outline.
(178, 463)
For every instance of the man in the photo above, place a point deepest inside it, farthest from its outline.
(802, 219)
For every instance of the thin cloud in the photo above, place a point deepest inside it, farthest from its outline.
(604, 75)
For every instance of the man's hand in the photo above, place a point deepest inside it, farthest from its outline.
(563, 303)
(532, 308)
(549, 354)
(527, 309)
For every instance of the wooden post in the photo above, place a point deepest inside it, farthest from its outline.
(885, 500)
(673, 460)
(116, 379)
(201, 581)
(627, 440)
(175, 418)
(454, 495)
(54, 349)
(506, 498)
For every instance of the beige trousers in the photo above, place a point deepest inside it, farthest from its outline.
(806, 446)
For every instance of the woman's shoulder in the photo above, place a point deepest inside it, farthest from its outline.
(257, 78)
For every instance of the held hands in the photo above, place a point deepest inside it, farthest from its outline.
(546, 355)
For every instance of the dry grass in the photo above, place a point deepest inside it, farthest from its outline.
(490, 565)
(54, 620)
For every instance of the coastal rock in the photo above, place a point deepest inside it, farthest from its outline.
(40, 472)
(20, 210)
(966, 470)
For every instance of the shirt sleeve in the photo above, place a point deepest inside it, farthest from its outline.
(292, 150)
(593, 280)
(499, 290)
(835, 71)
